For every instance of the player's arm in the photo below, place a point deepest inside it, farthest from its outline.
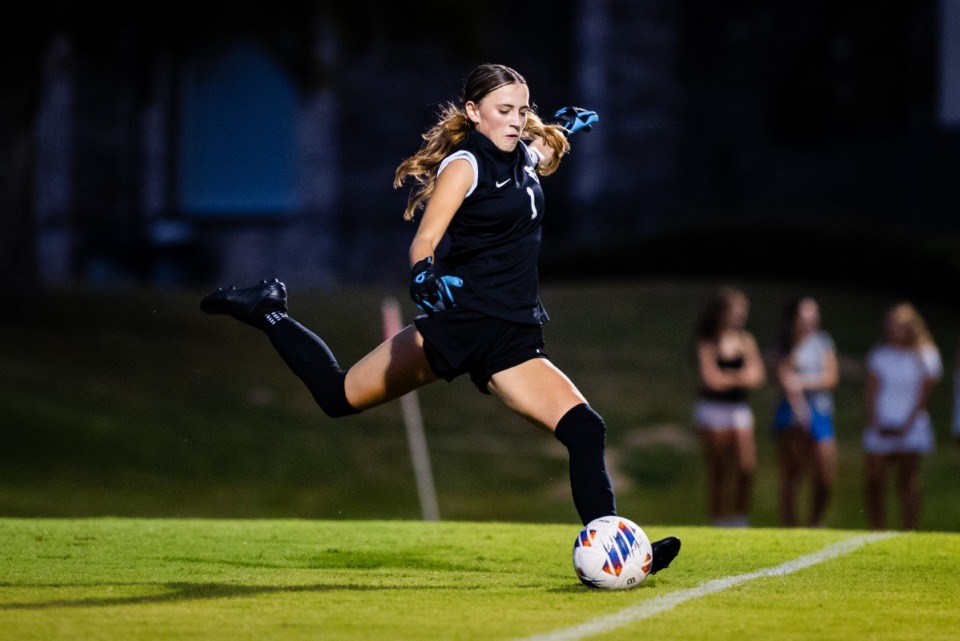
(452, 186)
(550, 139)
(545, 152)
(430, 289)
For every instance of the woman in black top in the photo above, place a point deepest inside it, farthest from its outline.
(477, 178)
(729, 366)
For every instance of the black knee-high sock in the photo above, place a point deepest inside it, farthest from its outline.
(313, 362)
(584, 433)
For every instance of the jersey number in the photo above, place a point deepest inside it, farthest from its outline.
(533, 204)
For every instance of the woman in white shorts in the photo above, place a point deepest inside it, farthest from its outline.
(901, 374)
(729, 365)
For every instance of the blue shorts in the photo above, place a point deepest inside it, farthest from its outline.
(461, 341)
(821, 423)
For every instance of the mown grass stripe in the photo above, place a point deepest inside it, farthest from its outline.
(669, 601)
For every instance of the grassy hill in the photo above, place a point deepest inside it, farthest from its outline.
(134, 403)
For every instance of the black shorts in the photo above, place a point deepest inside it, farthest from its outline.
(461, 341)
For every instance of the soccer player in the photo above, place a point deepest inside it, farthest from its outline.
(477, 178)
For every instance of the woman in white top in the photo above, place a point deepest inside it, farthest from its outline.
(901, 374)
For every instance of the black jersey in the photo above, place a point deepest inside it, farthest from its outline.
(495, 235)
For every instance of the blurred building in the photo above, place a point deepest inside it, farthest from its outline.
(210, 145)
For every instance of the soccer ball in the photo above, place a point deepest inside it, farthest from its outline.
(612, 552)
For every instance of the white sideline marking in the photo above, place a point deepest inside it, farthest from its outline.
(671, 600)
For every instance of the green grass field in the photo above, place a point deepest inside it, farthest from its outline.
(135, 579)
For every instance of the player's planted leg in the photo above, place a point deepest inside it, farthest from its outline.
(583, 432)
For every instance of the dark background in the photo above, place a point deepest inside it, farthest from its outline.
(753, 137)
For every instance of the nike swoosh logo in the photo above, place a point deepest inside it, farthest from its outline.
(501, 184)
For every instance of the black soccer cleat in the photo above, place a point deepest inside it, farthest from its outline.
(664, 551)
(259, 306)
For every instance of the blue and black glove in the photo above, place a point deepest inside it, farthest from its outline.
(575, 119)
(429, 290)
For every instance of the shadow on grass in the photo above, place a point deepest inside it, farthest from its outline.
(179, 592)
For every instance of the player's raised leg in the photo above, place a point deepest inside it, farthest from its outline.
(395, 367)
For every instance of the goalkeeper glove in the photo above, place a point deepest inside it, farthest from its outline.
(429, 290)
(575, 119)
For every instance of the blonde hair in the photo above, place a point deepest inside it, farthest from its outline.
(452, 128)
(906, 314)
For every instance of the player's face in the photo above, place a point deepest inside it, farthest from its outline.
(501, 115)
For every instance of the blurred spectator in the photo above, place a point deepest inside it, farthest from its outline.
(807, 372)
(729, 365)
(901, 373)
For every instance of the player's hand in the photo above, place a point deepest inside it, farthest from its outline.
(575, 119)
(429, 290)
